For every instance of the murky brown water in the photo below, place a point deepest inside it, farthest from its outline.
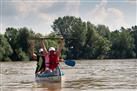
(87, 75)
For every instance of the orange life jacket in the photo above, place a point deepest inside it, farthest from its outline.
(52, 61)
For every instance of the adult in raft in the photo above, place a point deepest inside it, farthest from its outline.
(51, 57)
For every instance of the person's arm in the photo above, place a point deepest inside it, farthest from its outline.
(43, 46)
(61, 60)
(60, 47)
(31, 51)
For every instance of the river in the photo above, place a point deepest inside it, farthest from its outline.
(87, 75)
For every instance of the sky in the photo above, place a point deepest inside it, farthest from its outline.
(39, 15)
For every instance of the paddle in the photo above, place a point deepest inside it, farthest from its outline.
(51, 38)
(70, 62)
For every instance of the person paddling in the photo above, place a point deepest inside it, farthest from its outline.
(39, 57)
(52, 56)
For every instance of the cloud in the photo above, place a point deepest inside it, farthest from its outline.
(8, 9)
(133, 2)
(2, 30)
(98, 14)
(26, 7)
(47, 8)
(117, 18)
(37, 14)
(47, 17)
(23, 8)
(73, 8)
(112, 17)
(60, 9)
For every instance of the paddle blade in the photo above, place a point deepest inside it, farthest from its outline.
(70, 62)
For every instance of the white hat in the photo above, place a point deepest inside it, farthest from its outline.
(41, 50)
(51, 49)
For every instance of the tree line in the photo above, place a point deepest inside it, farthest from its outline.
(83, 40)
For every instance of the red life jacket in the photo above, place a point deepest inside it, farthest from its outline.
(53, 61)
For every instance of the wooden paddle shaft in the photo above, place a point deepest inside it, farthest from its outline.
(42, 38)
(57, 38)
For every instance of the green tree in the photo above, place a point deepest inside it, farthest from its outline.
(22, 55)
(103, 31)
(73, 30)
(95, 46)
(134, 33)
(23, 39)
(19, 40)
(122, 44)
(5, 49)
(53, 43)
(63, 26)
(78, 39)
(11, 35)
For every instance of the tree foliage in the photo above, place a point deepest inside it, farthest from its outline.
(83, 40)
(5, 49)
(71, 28)
(95, 46)
(19, 42)
(122, 44)
(134, 34)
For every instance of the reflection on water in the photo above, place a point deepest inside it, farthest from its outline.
(50, 86)
(87, 75)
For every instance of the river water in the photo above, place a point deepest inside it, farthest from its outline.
(87, 75)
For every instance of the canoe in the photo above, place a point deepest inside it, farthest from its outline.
(54, 76)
